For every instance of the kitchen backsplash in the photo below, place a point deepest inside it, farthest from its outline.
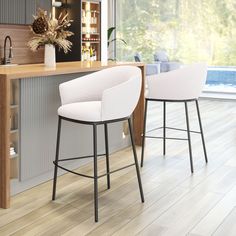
(20, 35)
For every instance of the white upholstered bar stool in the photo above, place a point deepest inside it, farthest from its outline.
(182, 85)
(100, 98)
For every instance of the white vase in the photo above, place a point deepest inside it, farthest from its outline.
(49, 56)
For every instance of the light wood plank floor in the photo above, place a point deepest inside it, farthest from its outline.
(176, 202)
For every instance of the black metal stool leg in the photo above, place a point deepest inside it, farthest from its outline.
(144, 131)
(189, 137)
(95, 172)
(201, 130)
(136, 161)
(56, 159)
(107, 155)
(164, 128)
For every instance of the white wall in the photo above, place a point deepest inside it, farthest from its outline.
(104, 23)
(112, 23)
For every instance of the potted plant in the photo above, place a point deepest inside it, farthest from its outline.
(110, 40)
(50, 32)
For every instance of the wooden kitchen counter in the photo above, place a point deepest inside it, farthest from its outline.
(36, 70)
(33, 70)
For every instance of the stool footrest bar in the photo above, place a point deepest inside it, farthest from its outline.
(73, 172)
(89, 176)
(111, 172)
(154, 129)
(166, 138)
(77, 158)
(192, 131)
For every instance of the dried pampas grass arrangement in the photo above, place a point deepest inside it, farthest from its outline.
(47, 30)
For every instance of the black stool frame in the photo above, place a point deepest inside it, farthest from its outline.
(165, 127)
(95, 177)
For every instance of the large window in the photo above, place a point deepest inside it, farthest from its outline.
(189, 30)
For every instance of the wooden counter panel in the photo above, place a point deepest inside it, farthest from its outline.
(4, 143)
(138, 115)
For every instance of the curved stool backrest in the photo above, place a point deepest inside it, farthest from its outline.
(182, 84)
(118, 88)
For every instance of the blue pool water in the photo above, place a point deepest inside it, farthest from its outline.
(221, 76)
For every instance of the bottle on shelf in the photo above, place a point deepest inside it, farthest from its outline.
(83, 17)
(82, 53)
(95, 55)
(94, 18)
(85, 54)
(91, 54)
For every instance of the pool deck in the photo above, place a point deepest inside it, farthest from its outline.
(222, 68)
(218, 94)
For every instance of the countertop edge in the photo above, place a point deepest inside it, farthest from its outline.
(38, 70)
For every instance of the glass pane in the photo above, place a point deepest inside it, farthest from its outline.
(187, 30)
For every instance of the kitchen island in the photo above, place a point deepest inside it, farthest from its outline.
(30, 105)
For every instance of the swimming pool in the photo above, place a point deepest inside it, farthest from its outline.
(221, 79)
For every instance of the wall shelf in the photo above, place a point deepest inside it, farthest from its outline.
(85, 41)
(91, 11)
(14, 156)
(14, 106)
(93, 24)
(14, 131)
(91, 33)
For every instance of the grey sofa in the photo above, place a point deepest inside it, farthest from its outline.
(165, 64)
(151, 69)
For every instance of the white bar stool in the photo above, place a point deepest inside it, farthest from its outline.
(100, 98)
(182, 85)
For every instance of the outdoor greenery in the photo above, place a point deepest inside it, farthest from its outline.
(189, 30)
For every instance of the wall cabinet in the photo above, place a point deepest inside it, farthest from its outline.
(21, 11)
(12, 12)
(33, 5)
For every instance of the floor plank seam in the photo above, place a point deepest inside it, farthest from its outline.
(223, 195)
(156, 202)
(222, 222)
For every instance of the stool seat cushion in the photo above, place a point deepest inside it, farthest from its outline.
(83, 111)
